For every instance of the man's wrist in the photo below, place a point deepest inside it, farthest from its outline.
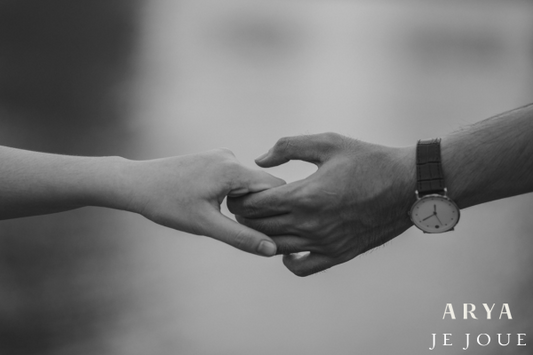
(405, 179)
(459, 189)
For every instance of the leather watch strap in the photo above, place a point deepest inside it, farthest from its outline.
(429, 176)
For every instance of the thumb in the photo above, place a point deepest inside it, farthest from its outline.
(220, 227)
(307, 264)
(310, 148)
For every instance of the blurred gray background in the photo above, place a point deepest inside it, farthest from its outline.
(147, 79)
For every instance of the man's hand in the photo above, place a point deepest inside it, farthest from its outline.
(358, 199)
(185, 193)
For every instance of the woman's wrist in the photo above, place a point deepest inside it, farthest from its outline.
(105, 182)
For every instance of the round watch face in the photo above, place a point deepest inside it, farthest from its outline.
(434, 214)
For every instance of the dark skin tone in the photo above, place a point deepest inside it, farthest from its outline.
(332, 213)
(360, 196)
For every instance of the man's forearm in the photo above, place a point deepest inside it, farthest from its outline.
(34, 183)
(360, 196)
(491, 159)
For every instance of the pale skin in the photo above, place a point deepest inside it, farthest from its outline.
(360, 195)
(182, 192)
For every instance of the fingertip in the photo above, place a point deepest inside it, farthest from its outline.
(239, 236)
(264, 162)
(280, 181)
(295, 263)
(262, 157)
(271, 158)
(305, 264)
(271, 180)
(267, 248)
(276, 181)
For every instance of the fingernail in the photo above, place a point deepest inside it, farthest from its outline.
(267, 248)
(300, 255)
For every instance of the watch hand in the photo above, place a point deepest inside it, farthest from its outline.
(438, 219)
(434, 209)
(428, 217)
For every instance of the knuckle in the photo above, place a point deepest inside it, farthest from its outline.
(224, 152)
(284, 144)
(284, 141)
(331, 137)
(268, 228)
(309, 226)
(241, 240)
(224, 156)
(263, 226)
(234, 169)
(231, 173)
(306, 196)
(330, 141)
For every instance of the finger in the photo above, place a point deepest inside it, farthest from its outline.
(311, 148)
(308, 264)
(220, 227)
(271, 226)
(250, 180)
(289, 244)
(267, 203)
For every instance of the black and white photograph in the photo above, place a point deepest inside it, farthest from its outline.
(253, 177)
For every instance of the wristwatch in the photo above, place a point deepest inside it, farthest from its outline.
(433, 211)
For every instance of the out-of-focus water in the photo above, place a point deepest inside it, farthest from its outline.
(241, 74)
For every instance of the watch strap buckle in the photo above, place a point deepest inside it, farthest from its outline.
(443, 192)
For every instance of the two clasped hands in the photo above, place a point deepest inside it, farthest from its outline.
(348, 206)
(358, 198)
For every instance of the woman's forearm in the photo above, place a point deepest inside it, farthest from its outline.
(182, 192)
(33, 183)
